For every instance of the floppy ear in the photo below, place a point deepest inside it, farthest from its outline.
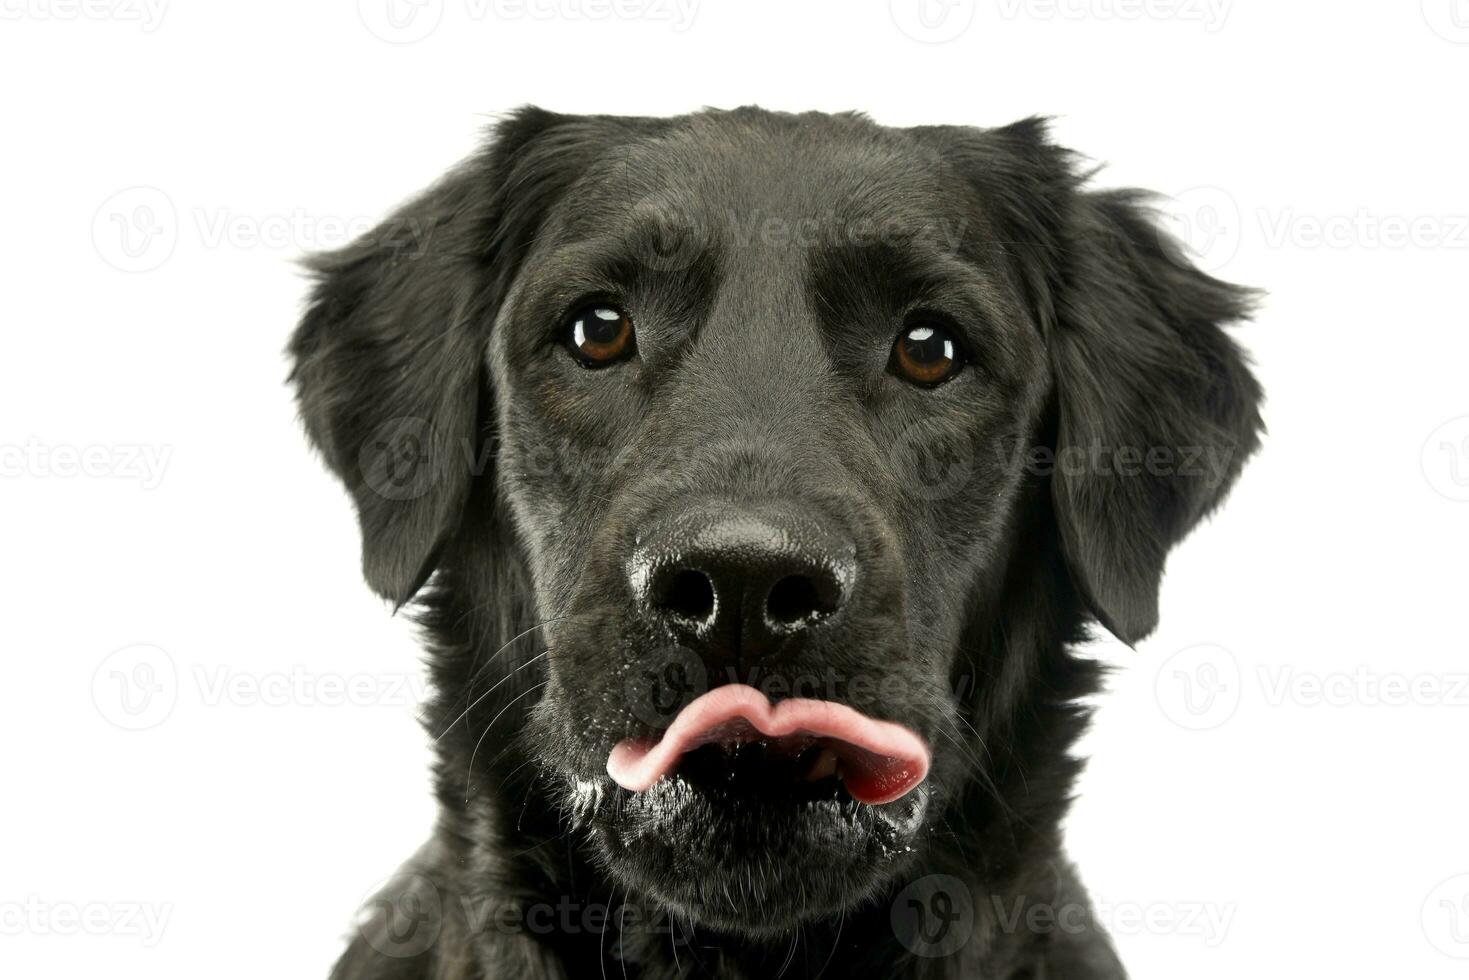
(1157, 408)
(389, 357)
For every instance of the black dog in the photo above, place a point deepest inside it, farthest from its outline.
(754, 475)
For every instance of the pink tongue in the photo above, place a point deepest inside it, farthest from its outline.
(881, 761)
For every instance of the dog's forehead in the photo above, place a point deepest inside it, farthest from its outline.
(779, 178)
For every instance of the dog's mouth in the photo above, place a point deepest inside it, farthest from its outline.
(752, 817)
(733, 738)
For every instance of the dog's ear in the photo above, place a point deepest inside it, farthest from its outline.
(388, 360)
(1156, 408)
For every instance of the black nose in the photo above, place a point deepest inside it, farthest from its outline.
(743, 581)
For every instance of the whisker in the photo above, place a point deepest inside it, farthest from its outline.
(790, 953)
(476, 666)
(835, 945)
(492, 690)
(469, 770)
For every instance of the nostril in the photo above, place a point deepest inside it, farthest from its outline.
(797, 598)
(689, 595)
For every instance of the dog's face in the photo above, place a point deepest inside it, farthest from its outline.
(764, 396)
(718, 379)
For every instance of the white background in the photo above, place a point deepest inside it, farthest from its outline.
(1264, 800)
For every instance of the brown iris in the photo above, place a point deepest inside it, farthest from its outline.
(600, 335)
(926, 354)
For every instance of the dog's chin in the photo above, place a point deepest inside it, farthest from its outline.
(753, 866)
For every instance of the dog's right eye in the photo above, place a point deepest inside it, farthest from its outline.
(599, 335)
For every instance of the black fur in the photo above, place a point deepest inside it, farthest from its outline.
(501, 486)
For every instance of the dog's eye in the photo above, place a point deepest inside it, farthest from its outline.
(599, 335)
(926, 354)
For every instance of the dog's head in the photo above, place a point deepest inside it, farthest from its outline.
(771, 424)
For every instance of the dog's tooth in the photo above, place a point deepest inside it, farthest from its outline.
(824, 766)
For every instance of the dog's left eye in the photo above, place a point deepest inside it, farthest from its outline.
(926, 354)
(599, 335)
